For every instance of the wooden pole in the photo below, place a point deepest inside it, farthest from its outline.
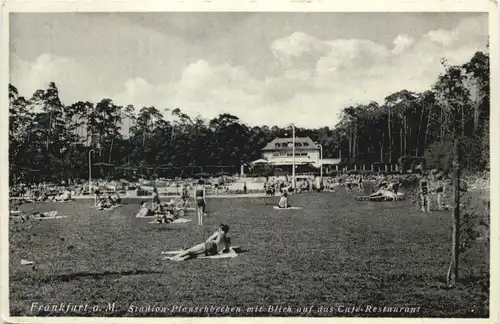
(452, 274)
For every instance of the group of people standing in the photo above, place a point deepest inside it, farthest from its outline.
(431, 185)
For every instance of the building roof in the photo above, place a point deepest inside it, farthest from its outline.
(331, 161)
(285, 144)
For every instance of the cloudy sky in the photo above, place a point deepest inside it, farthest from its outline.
(266, 68)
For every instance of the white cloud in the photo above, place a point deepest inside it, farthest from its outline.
(443, 37)
(402, 42)
(316, 79)
(74, 80)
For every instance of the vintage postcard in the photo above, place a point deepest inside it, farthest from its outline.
(240, 159)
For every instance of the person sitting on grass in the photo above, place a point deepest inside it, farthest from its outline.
(43, 197)
(283, 203)
(165, 217)
(115, 199)
(144, 210)
(65, 196)
(104, 203)
(218, 241)
(180, 207)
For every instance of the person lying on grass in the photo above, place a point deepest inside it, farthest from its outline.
(34, 214)
(388, 191)
(283, 203)
(218, 241)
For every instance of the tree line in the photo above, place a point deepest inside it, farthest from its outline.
(50, 140)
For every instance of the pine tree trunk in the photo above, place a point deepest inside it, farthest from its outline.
(442, 125)
(419, 130)
(49, 131)
(382, 148)
(452, 274)
(401, 142)
(111, 148)
(390, 135)
(463, 121)
(427, 126)
(129, 145)
(350, 144)
(405, 136)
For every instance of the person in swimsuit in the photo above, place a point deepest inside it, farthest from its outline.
(218, 241)
(180, 208)
(144, 210)
(164, 216)
(439, 190)
(183, 190)
(348, 187)
(283, 203)
(200, 200)
(360, 183)
(385, 192)
(104, 203)
(97, 196)
(156, 198)
(424, 193)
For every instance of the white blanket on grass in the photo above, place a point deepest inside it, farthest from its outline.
(231, 254)
(175, 221)
(51, 217)
(293, 207)
(108, 208)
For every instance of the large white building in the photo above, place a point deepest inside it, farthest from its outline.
(280, 152)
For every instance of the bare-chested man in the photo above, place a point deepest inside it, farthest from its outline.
(218, 241)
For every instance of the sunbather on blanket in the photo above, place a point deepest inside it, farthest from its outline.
(219, 241)
(35, 214)
(283, 203)
(115, 198)
(144, 210)
(164, 215)
(387, 192)
(104, 203)
(180, 207)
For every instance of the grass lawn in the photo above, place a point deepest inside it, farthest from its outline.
(335, 254)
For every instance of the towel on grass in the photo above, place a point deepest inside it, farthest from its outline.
(293, 207)
(231, 254)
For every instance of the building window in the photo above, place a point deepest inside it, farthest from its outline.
(306, 144)
(277, 145)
